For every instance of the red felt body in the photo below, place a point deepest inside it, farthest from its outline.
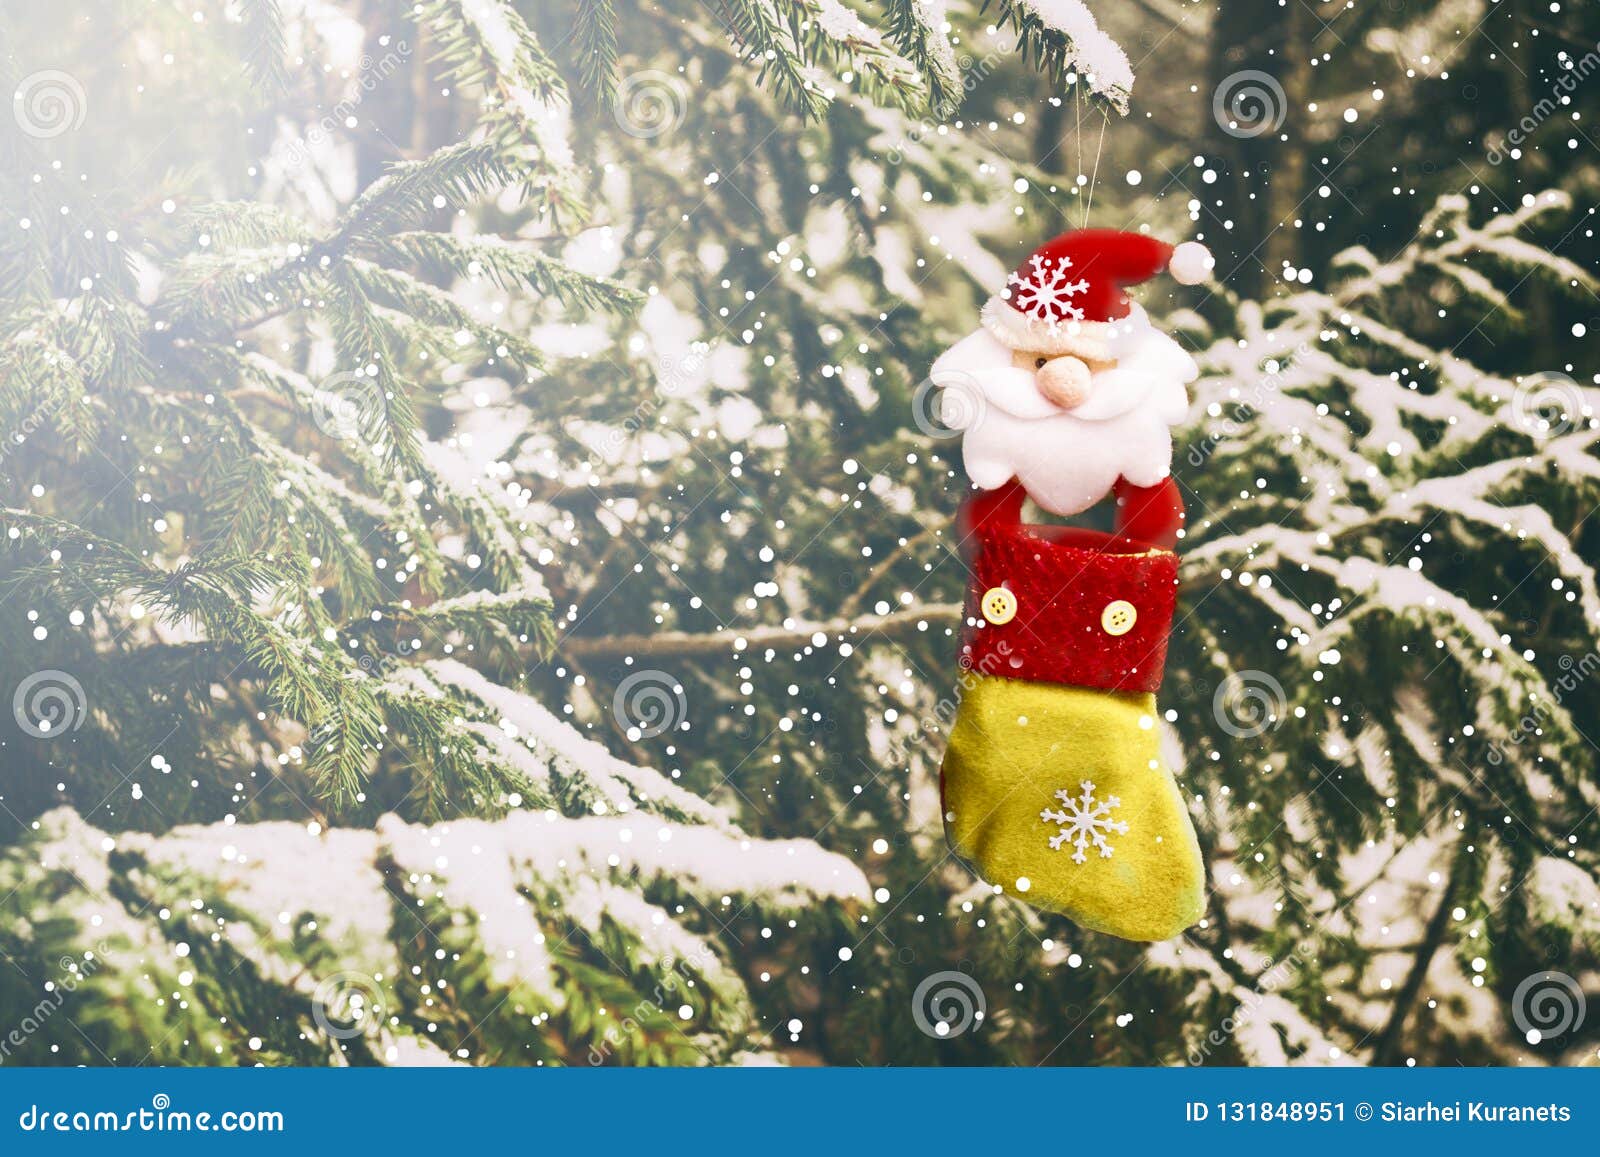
(1063, 579)
(1152, 514)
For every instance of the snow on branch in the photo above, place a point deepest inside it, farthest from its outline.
(1262, 1021)
(1064, 36)
(1404, 533)
(527, 726)
(300, 919)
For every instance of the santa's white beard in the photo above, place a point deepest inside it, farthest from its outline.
(1068, 460)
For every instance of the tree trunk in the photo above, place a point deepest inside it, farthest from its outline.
(1265, 172)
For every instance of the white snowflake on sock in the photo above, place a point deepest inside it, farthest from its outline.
(1046, 293)
(1084, 820)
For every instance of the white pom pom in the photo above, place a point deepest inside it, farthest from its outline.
(1191, 263)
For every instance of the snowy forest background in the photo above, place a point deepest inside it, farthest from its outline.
(477, 582)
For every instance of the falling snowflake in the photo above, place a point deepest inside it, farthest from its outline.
(1083, 819)
(1046, 293)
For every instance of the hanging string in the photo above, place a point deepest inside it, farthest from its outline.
(1077, 136)
(1105, 120)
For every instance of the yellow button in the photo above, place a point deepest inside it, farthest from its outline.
(999, 606)
(1118, 617)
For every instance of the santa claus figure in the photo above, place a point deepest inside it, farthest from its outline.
(1053, 786)
(1069, 390)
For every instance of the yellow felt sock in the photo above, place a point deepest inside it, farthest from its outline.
(1126, 861)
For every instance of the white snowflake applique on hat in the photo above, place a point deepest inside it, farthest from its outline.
(1045, 292)
(1083, 819)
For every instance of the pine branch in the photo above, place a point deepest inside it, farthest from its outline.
(913, 26)
(417, 301)
(490, 527)
(384, 415)
(412, 191)
(487, 45)
(1386, 1050)
(237, 289)
(772, 44)
(227, 225)
(836, 34)
(512, 619)
(510, 266)
(594, 37)
(265, 48)
(556, 917)
(1053, 51)
(895, 625)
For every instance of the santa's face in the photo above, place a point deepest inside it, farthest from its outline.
(1068, 425)
(1064, 380)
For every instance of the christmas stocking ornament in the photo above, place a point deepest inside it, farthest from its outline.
(1052, 785)
(1053, 788)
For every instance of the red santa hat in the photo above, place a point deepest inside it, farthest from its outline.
(1063, 298)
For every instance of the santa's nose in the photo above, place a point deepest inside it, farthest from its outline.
(1064, 380)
